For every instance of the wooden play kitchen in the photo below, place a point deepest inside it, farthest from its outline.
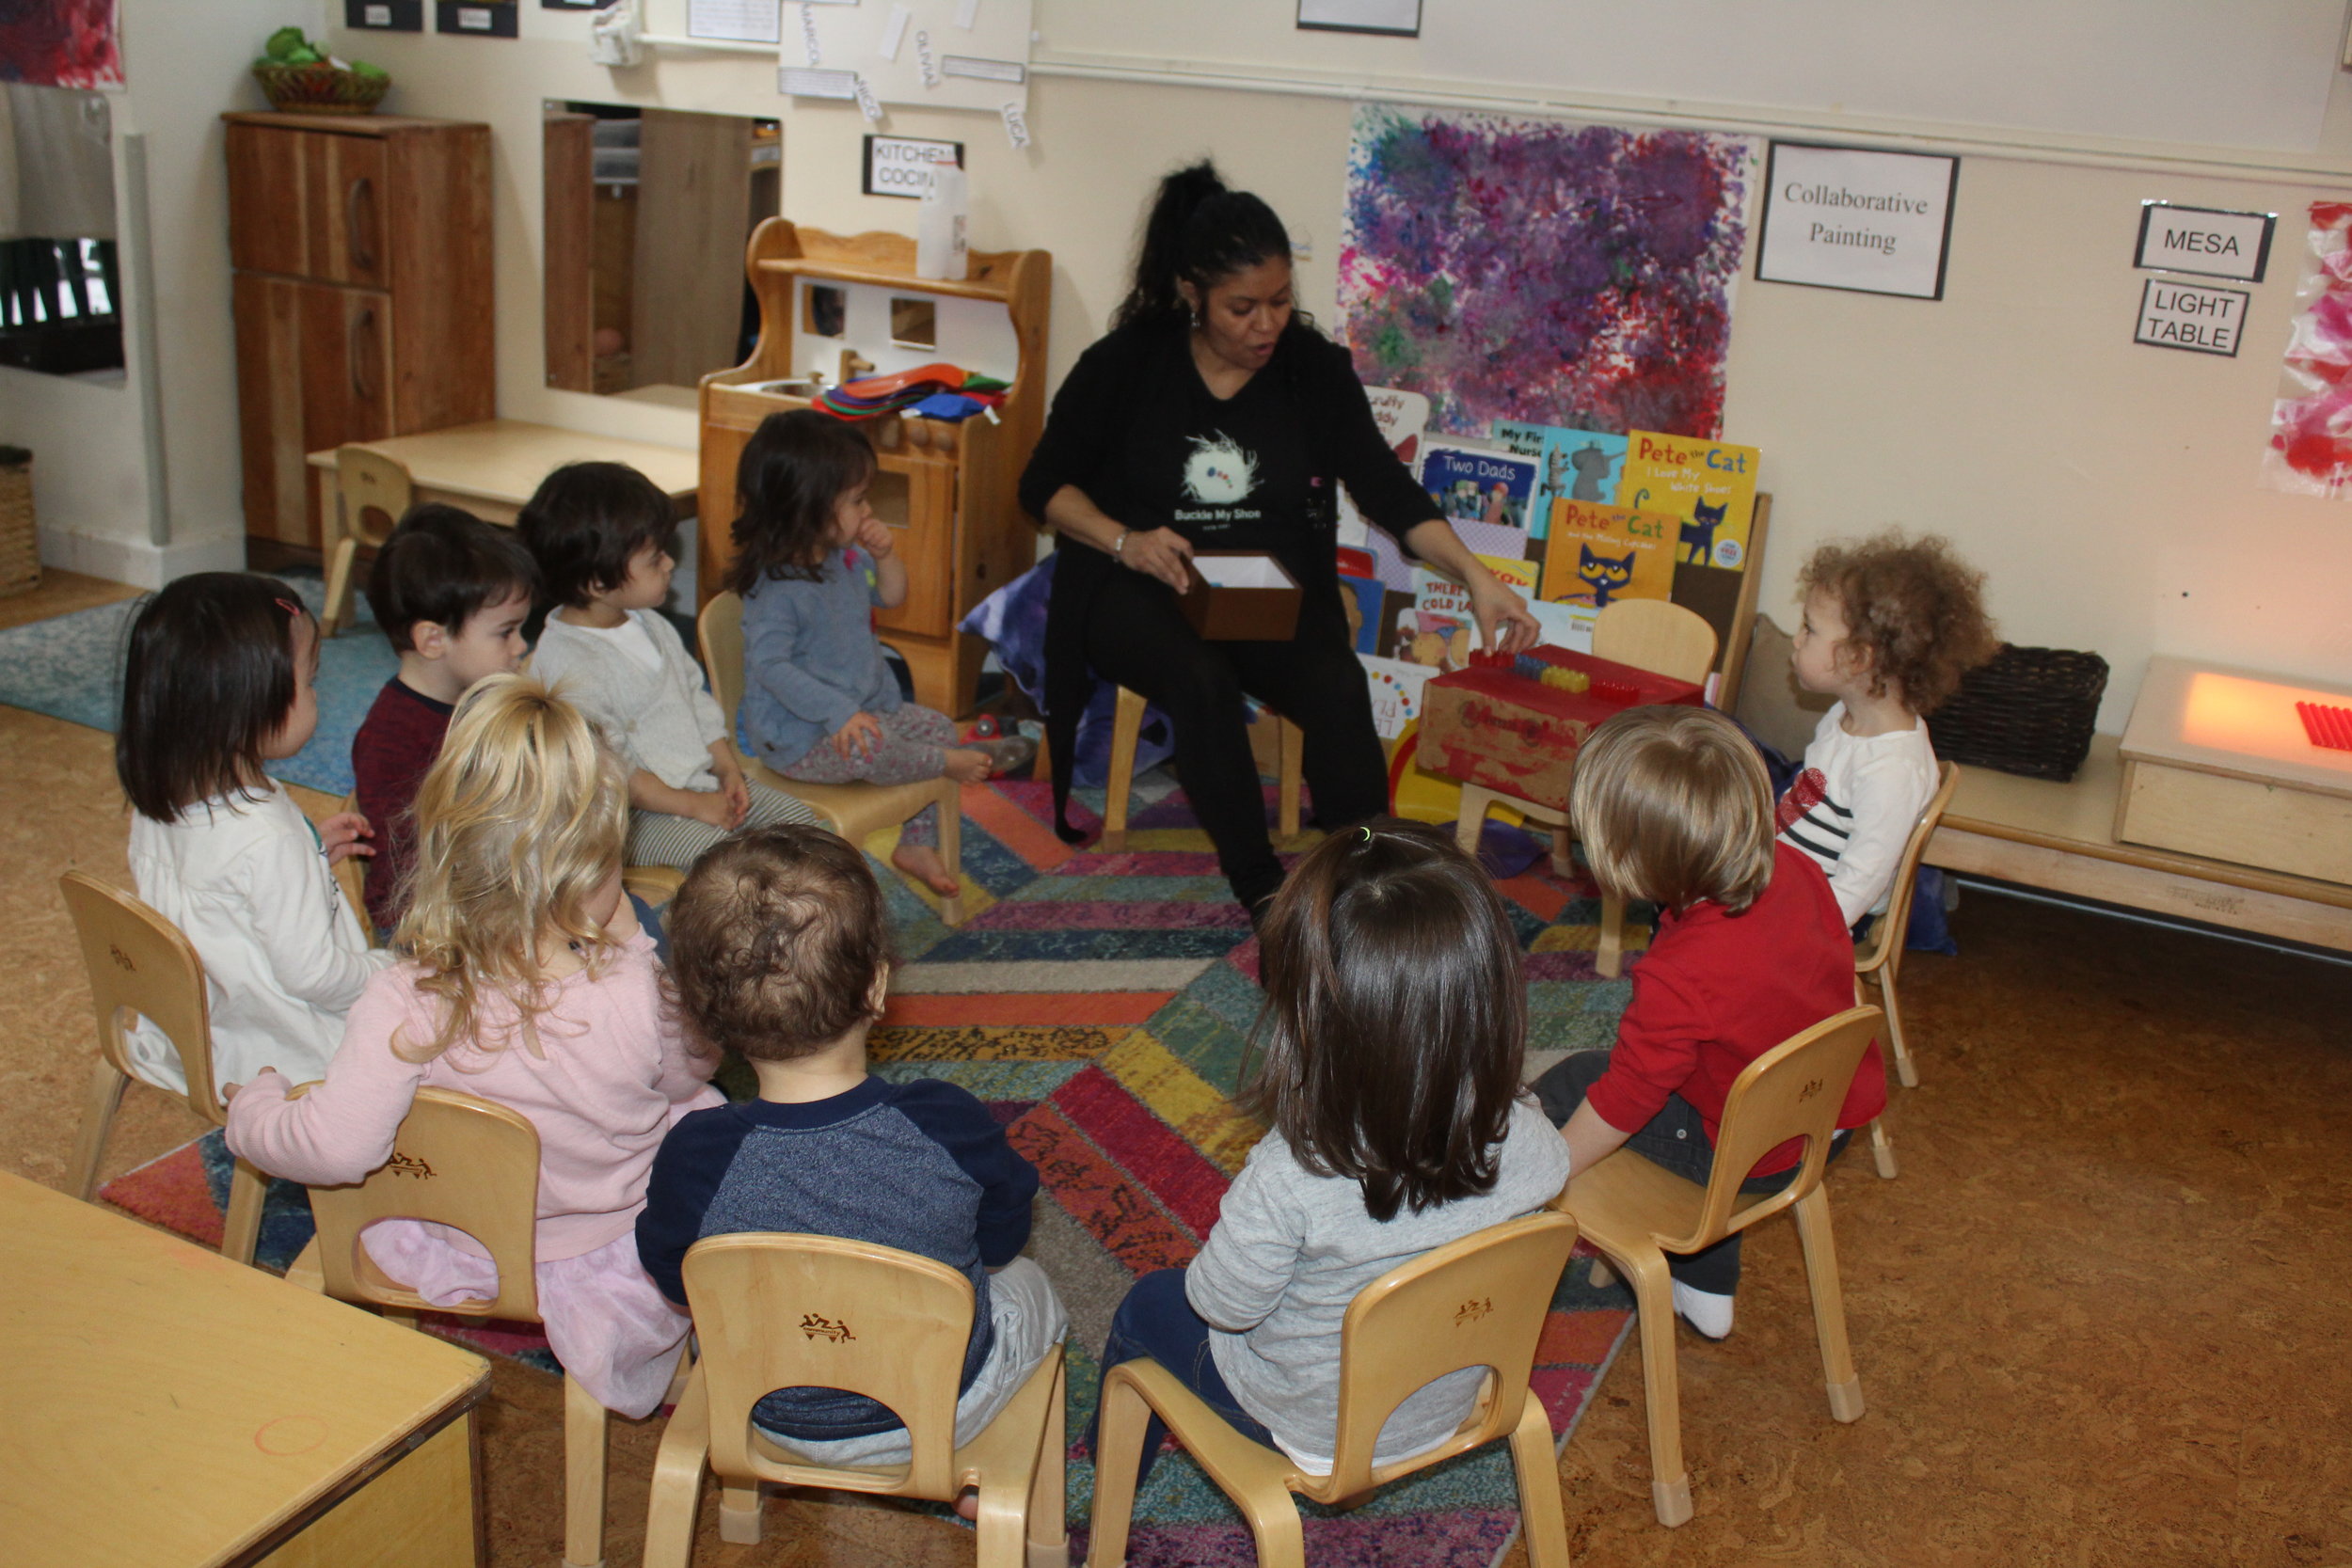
(849, 306)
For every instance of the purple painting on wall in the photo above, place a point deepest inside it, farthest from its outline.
(1543, 271)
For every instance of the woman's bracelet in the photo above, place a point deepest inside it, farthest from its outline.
(1118, 545)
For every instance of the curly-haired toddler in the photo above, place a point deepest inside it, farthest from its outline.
(1890, 627)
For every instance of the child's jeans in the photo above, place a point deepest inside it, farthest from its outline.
(912, 747)
(1676, 1139)
(1156, 1321)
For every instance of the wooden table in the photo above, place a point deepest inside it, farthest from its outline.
(168, 1407)
(491, 469)
(2062, 837)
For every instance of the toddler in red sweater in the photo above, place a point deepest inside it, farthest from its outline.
(1673, 807)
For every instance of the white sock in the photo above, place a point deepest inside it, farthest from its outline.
(1703, 1310)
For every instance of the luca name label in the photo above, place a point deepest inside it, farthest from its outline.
(2188, 316)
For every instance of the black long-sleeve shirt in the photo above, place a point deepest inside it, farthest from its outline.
(1137, 431)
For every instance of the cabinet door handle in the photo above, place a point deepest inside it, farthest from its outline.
(360, 194)
(362, 336)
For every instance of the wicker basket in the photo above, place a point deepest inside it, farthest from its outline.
(20, 540)
(2028, 712)
(319, 89)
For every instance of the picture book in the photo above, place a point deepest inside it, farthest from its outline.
(1709, 485)
(1442, 606)
(1570, 465)
(1401, 416)
(1597, 555)
(1395, 692)
(1475, 487)
(1367, 595)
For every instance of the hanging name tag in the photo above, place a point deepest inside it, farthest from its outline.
(1016, 126)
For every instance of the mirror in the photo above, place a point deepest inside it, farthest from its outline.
(61, 298)
(647, 213)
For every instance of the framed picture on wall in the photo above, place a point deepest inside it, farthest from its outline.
(480, 19)
(1395, 18)
(1849, 217)
(384, 16)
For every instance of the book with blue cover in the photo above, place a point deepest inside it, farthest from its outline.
(1570, 465)
(1472, 485)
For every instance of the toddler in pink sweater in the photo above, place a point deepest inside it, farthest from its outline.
(530, 984)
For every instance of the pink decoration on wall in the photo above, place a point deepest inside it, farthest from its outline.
(2311, 424)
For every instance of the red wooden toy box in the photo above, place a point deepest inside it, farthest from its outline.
(1494, 726)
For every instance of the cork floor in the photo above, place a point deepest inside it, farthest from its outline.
(2100, 1320)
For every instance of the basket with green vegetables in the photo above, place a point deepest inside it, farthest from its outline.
(301, 77)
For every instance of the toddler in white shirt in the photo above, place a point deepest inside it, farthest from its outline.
(1890, 627)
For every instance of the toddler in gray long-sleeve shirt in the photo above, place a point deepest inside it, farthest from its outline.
(812, 564)
(1394, 1030)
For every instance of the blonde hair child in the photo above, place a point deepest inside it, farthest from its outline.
(529, 983)
(1673, 808)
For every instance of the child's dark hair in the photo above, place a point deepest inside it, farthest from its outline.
(1915, 607)
(794, 469)
(1395, 1019)
(776, 938)
(1199, 232)
(444, 564)
(586, 522)
(208, 676)
(1673, 807)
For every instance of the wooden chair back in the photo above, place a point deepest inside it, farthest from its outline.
(141, 965)
(1794, 1090)
(1478, 1302)
(788, 1311)
(1887, 932)
(720, 628)
(377, 493)
(457, 1161)
(1658, 636)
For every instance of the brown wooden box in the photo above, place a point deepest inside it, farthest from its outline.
(1240, 596)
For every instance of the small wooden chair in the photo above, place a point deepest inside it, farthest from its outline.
(377, 493)
(1478, 1302)
(851, 810)
(141, 965)
(1647, 634)
(785, 1311)
(1880, 954)
(465, 1163)
(1636, 1213)
(1127, 730)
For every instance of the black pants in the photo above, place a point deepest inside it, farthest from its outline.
(1136, 636)
(1676, 1139)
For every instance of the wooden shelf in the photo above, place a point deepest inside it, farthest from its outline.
(837, 271)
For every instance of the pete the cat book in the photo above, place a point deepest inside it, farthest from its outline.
(1709, 484)
(1596, 555)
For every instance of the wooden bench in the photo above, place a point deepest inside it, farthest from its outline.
(2060, 837)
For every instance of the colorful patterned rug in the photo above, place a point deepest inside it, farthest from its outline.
(1100, 1003)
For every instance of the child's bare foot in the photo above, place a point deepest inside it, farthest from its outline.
(922, 863)
(966, 765)
(968, 1504)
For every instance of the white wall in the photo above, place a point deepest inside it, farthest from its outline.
(185, 63)
(2106, 487)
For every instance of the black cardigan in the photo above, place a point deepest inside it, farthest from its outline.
(1140, 379)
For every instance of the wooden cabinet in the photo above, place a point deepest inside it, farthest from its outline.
(362, 293)
(951, 490)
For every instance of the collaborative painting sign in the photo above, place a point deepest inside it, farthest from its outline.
(1847, 218)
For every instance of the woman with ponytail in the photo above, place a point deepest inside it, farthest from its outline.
(1214, 416)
